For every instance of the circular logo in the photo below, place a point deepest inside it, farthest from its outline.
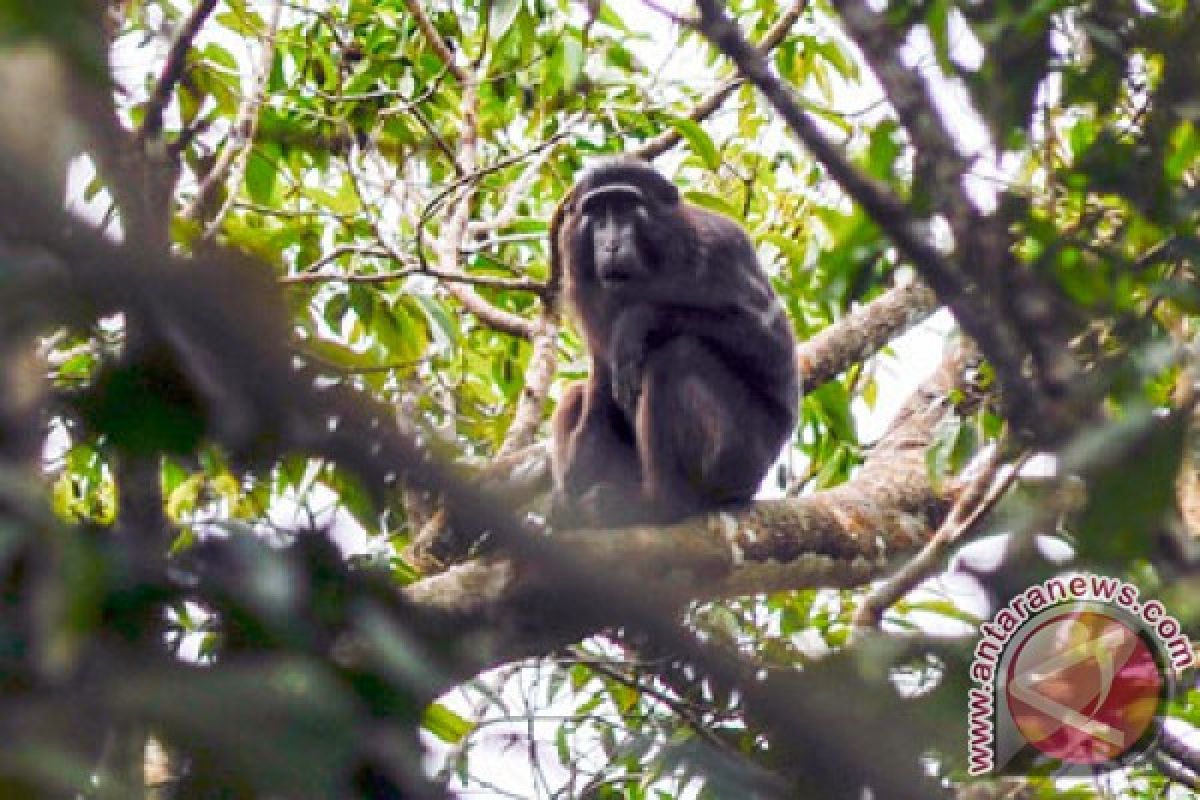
(1085, 687)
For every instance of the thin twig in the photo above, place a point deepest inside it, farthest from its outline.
(516, 193)
(485, 281)
(714, 100)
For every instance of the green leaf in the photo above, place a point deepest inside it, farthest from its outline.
(335, 311)
(792, 251)
(400, 331)
(700, 142)
(572, 62)
(712, 202)
(610, 18)
(218, 55)
(939, 458)
(441, 322)
(501, 15)
(261, 172)
(446, 725)
(835, 55)
(182, 500)
(937, 19)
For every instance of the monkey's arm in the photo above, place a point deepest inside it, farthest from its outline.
(724, 278)
(758, 344)
(629, 342)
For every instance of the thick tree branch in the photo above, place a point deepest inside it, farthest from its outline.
(863, 332)
(1018, 301)
(841, 537)
(881, 44)
(543, 365)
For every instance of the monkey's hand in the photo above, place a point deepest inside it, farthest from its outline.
(630, 337)
(627, 384)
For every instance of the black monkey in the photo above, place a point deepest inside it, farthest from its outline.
(693, 388)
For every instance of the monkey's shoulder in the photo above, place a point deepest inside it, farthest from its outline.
(715, 229)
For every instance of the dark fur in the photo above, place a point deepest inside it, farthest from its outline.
(693, 389)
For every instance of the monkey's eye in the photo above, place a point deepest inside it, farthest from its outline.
(617, 204)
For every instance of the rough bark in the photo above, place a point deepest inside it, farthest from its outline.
(840, 537)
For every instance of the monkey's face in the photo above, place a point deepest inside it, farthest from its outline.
(614, 225)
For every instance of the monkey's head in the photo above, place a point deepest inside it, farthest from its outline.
(617, 226)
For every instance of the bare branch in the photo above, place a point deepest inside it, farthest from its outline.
(1176, 771)
(454, 228)
(864, 332)
(975, 500)
(1182, 754)
(881, 44)
(516, 193)
(231, 162)
(173, 69)
(486, 281)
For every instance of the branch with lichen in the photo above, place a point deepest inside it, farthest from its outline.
(863, 332)
(523, 473)
(839, 537)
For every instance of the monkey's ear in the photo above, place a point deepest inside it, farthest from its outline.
(557, 220)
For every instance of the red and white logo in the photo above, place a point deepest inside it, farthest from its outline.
(1072, 676)
(1084, 687)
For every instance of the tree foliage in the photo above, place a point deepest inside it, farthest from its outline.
(274, 392)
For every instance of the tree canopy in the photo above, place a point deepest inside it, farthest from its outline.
(277, 376)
